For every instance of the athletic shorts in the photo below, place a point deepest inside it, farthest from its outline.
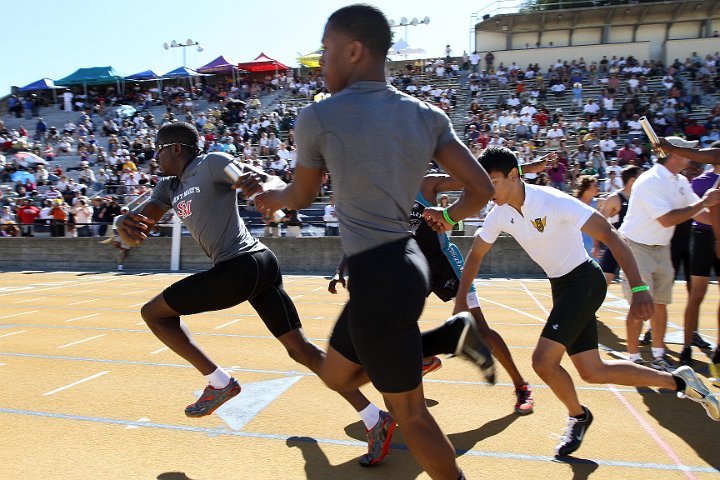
(254, 277)
(656, 270)
(445, 273)
(577, 296)
(702, 253)
(608, 262)
(378, 327)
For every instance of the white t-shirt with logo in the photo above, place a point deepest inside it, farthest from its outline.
(548, 228)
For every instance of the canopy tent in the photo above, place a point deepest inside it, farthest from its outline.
(143, 76)
(42, 84)
(92, 76)
(219, 65)
(311, 60)
(183, 72)
(402, 49)
(263, 63)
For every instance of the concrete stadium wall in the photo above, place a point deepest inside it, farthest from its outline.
(305, 255)
(548, 56)
(683, 49)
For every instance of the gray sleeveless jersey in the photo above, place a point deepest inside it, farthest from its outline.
(206, 204)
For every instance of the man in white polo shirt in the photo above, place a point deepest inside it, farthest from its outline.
(548, 225)
(661, 198)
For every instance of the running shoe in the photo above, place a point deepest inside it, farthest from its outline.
(471, 347)
(696, 391)
(662, 364)
(525, 402)
(211, 399)
(574, 433)
(638, 361)
(699, 341)
(686, 356)
(434, 364)
(379, 438)
(647, 338)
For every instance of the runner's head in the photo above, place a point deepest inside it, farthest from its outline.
(501, 164)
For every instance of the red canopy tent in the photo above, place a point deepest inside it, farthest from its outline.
(263, 63)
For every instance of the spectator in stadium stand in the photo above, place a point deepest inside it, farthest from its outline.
(627, 155)
(590, 109)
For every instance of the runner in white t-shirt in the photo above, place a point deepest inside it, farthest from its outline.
(548, 225)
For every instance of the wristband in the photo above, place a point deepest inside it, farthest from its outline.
(519, 169)
(640, 288)
(447, 218)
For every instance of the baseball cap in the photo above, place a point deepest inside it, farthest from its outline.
(681, 142)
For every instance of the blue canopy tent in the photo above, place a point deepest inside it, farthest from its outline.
(184, 72)
(43, 84)
(144, 76)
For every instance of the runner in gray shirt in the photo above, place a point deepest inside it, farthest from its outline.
(201, 194)
(377, 143)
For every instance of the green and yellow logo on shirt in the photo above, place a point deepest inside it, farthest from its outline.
(539, 223)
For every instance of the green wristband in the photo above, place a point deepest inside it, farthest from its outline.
(520, 169)
(640, 288)
(448, 219)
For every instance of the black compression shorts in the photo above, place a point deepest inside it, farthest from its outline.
(378, 326)
(576, 298)
(702, 253)
(253, 276)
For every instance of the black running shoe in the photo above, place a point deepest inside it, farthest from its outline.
(574, 433)
(647, 338)
(471, 347)
(699, 341)
(686, 356)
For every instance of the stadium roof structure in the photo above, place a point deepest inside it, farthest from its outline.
(263, 63)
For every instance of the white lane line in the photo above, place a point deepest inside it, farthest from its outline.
(534, 298)
(27, 301)
(81, 341)
(18, 314)
(296, 297)
(91, 290)
(137, 305)
(80, 318)
(159, 350)
(91, 377)
(13, 333)
(64, 286)
(143, 419)
(140, 323)
(1, 364)
(132, 293)
(318, 288)
(228, 323)
(84, 301)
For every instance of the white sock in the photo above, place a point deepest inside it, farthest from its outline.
(657, 352)
(219, 378)
(370, 416)
(634, 356)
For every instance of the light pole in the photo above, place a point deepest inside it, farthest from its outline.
(188, 43)
(404, 23)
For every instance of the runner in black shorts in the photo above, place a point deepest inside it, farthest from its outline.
(377, 142)
(703, 262)
(198, 189)
(548, 225)
(446, 264)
